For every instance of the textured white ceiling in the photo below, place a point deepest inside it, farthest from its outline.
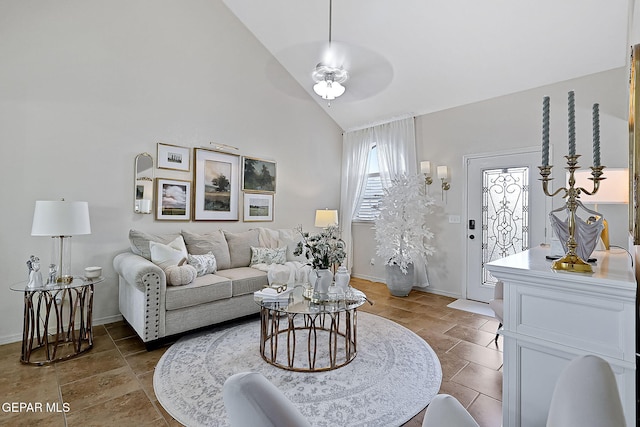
(420, 56)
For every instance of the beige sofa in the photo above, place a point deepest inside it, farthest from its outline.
(156, 310)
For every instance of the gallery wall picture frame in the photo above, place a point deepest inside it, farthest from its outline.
(258, 175)
(216, 193)
(174, 157)
(258, 207)
(173, 200)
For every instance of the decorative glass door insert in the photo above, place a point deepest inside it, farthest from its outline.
(505, 209)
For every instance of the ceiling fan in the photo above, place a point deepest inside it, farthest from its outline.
(329, 75)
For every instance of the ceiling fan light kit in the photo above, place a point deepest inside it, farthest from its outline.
(329, 79)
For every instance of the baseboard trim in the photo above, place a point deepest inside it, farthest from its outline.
(429, 289)
(8, 339)
(108, 319)
(370, 278)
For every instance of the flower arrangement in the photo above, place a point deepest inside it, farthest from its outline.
(400, 229)
(324, 250)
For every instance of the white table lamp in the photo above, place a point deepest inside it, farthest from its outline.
(61, 220)
(613, 190)
(326, 218)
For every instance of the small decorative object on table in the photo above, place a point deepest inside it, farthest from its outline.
(35, 277)
(342, 278)
(92, 272)
(571, 261)
(324, 251)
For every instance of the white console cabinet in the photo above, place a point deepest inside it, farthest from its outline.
(551, 317)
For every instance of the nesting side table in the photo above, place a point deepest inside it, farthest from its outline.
(57, 320)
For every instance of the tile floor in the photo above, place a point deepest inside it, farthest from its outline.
(112, 384)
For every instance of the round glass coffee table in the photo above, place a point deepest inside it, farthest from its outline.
(57, 320)
(305, 334)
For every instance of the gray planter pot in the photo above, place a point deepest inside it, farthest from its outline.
(399, 284)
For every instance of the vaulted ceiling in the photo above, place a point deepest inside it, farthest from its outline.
(421, 56)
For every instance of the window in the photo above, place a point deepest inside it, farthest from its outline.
(367, 209)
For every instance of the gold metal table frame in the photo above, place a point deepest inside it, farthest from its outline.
(57, 320)
(286, 325)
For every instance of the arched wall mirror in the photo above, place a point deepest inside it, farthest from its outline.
(143, 185)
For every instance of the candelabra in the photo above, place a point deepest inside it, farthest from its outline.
(571, 261)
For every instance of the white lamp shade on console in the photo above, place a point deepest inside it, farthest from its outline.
(613, 190)
(326, 218)
(60, 220)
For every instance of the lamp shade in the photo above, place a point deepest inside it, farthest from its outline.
(328, 90)
(326, 218)
(425, 167)
(60, 218)
(613, 190)
(443, 172)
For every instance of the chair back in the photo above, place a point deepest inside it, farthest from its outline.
(252, 400)
(586, 395)
(445, 410)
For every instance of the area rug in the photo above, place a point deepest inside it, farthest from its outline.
(472, 307)
(393, 377)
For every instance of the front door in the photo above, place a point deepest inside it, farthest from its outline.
(506, 213)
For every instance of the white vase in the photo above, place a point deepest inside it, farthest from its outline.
(399, 284)
(342, 278)
(324, 277)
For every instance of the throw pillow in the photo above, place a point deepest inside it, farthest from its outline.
(290, 238)
(214, 242)
(240, 246)
(178, 275)
(268, 255)
(204, 264)
(139, 241)
(168, 255)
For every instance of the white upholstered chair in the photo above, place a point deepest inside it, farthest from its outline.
(445, 410)
(252, 400)
(586, 395)
(497, 304)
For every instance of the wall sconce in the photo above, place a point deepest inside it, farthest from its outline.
(443, 175)
(425, 168)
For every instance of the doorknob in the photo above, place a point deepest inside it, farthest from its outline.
(471, 236)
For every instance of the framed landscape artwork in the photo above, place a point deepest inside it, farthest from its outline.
(258, 175)
(173, 157)
(216, 186)
(173, 199)
(258, 207)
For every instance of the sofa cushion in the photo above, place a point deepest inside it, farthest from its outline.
(290, 238)
(139, 241)
(204, 264)
(268, 255)
(246, 280)
(214, 242)
(202, 290)
(168, 255)
(240, 246)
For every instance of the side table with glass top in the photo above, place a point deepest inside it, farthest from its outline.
(57, 320)
(326, 329)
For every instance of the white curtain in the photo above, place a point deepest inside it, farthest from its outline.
(356, 146)
(396, 143)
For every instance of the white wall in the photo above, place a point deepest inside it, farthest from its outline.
(87, 85)
(495, 125)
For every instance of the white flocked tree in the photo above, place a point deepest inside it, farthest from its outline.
(401, 230)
